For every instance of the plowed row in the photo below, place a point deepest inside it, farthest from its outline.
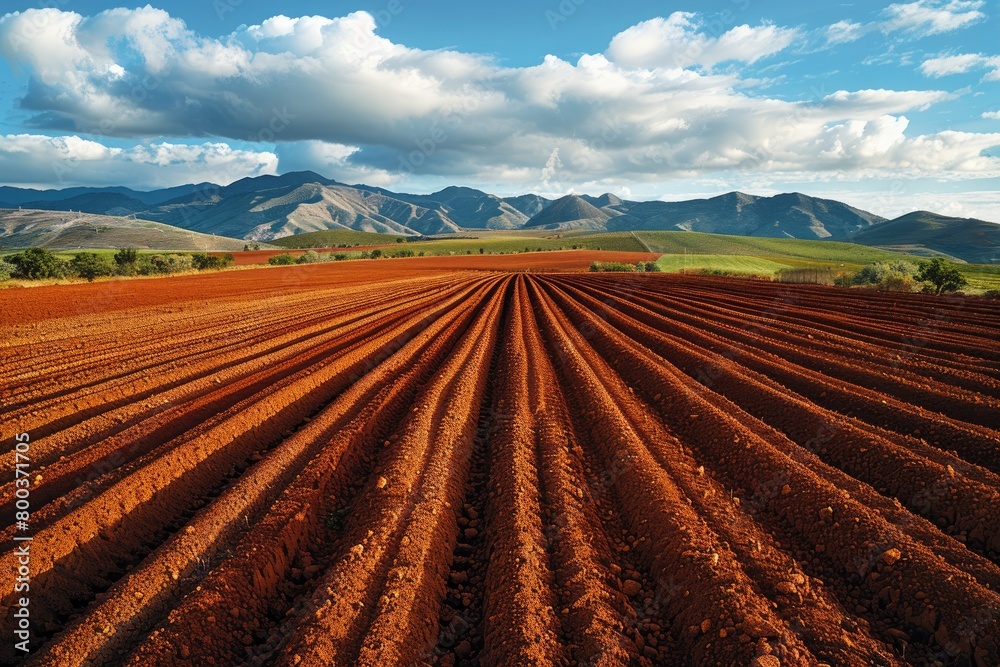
(509, 469)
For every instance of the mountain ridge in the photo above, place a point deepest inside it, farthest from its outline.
(268, 207)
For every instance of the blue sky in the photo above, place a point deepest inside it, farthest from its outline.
(888, 106)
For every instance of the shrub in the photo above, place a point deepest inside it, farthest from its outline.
(149, 265)
(400, 240)
(845, 280)
(281, 260)
(894, 281)
(90, 265)
(204, 262)
(375, 254)
(612, 266)
(988, 294)
(339, 256)
(7, 270)
(876, 273)
(126, 256)
(309, 257)
(942, 275)
(37, 264)
(404, 253)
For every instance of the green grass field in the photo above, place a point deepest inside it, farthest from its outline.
(514, 243)
(332, 238)
(733, 264)
(793, 252)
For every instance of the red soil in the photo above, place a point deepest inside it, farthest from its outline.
(398, 463)
(32, 304)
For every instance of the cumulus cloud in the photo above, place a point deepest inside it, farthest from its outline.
(932, 17)
(991, 115)
(334, 96)
(678, 42)
(962, 63)
(69, 161)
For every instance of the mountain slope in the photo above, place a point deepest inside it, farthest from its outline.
(570, 212)
(293, 208)
(530, 205)
(791, 215)
(976, 241)
(468, 208)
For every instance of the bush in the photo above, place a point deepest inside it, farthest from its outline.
(375, 254)
(6, 270)
(942, 275)
(894, 281)
(126, 256)
(90, 265)
(404, 253)
(612, 266)
(281, 260)
(37, 264)
(845, 280)
(988, 294)
(339, 256)
(126, 261)
(894, 276)
(309, 257)
(149, 265)
(206, 262)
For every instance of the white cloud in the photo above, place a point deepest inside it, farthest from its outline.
(677, 42)
(957, 64)
(992, 115)
(844, 32)
(336, 97)
(961, 64)
(70, 161)
(932, 17)
(332, 160)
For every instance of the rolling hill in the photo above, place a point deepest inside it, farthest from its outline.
(55, 230)
(968, 239)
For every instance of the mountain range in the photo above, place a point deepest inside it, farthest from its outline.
(270, 207)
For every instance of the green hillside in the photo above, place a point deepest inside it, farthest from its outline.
(791, 252)
(332, 238)
(731, 264)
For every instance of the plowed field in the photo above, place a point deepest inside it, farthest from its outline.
(475, 468)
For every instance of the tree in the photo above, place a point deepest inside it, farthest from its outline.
(942, 275)
(90, 265)
(126, 256)
(126, 261)
(37, 264)
(376, 253)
